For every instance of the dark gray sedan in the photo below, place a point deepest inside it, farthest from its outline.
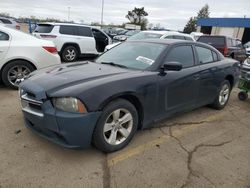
(127, 88)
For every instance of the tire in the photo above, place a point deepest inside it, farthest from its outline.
(110, 116)
(220, 102)
(14, 72)
(69, 54)
(242, 95)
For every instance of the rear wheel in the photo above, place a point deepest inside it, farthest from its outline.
(116, 126)
(13, 73)
(69, 54)
(223, 96)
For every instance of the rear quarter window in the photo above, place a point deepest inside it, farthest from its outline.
(214, 41)
(43, 28)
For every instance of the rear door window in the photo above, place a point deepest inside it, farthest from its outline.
(43, 28)
(4, 36)
(68, 30)
(214, 41)
(182, 54)
(5, 21)
(84, 31)
(204, 55)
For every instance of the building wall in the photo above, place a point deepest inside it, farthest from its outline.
(235, 32)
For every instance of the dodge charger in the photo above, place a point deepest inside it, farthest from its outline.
(133, 86)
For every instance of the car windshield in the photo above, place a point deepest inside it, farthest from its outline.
(145, 35)
(133, 55)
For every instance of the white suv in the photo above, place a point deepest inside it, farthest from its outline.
(8, 22)
(73, 40)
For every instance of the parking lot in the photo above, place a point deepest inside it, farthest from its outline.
(202, 148)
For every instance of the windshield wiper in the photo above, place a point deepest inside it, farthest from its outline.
(114, 64)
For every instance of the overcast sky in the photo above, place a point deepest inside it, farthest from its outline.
(172, 14)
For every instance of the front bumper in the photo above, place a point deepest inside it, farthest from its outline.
(71, 130)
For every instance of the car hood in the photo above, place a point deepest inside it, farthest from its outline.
(66, 75)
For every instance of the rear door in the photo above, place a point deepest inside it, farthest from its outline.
(86, 40)
(4, 46)
(210, 73)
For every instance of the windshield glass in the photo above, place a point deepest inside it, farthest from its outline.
(133, 55)
(145, 35)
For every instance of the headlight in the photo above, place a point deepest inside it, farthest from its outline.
(69, 104)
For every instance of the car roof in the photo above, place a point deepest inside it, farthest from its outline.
(58, 23)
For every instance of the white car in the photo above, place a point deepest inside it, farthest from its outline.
(155, 34)
(73, 40)
(8, 22)
(21, 53)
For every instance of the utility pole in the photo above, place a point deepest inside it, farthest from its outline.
(102, 13)
(68, 13)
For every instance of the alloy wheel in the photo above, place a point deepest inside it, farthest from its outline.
(17, 73)
(224, 94)
(118, 126)
(70, 54)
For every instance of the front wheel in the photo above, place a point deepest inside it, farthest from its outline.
(116, 126)
(223, 96)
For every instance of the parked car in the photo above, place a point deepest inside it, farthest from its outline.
(127, 88)
(125, 36)
(8, 22)
(155, 34)
(229, 47)
(20, 54)
(73, 40)
(247, 48)
(196, 35)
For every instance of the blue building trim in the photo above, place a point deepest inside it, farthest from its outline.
(224, 22)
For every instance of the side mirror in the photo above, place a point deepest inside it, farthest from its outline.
(171, 66)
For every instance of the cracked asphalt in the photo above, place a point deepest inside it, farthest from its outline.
(203, 148)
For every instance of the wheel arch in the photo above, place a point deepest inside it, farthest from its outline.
(18, 59)
(230, 78)
(71, 44)
(133, 99)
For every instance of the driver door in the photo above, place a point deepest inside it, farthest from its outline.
(179, 89)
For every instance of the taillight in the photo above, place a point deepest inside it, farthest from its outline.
(48, 36)
(18, 27)
(52, 50)
(225, 51)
